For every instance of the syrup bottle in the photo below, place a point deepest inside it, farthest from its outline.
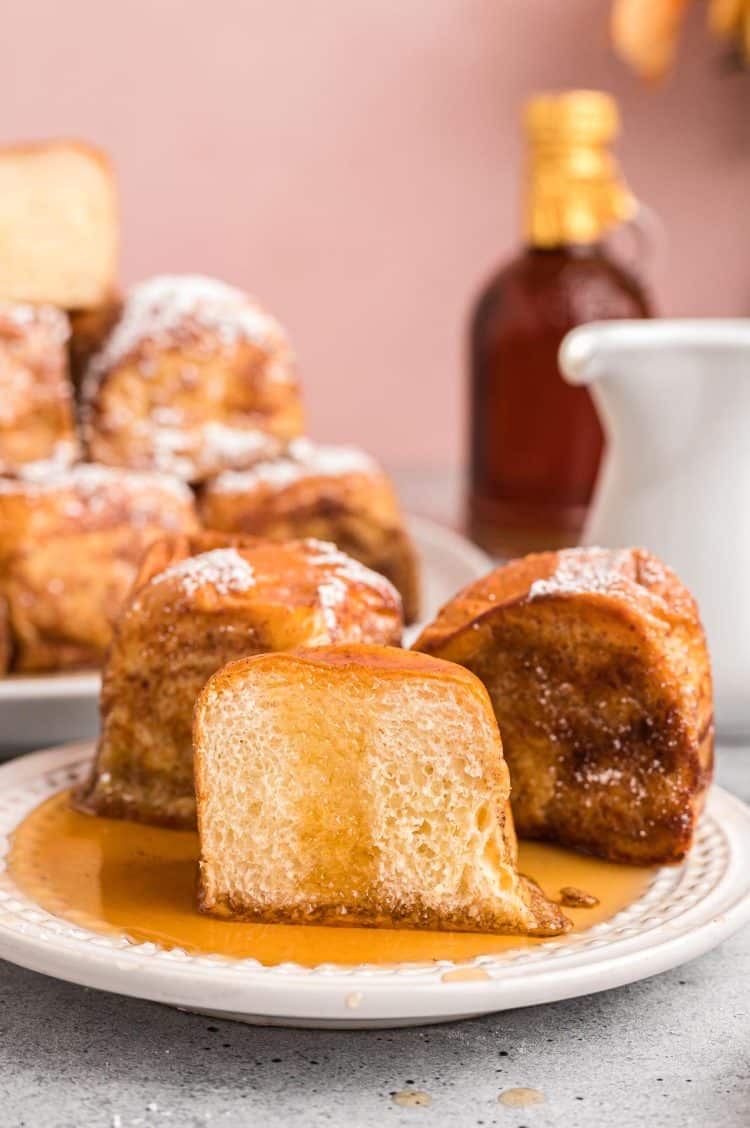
(536, 441)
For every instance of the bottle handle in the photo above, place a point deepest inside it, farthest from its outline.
(648, 238)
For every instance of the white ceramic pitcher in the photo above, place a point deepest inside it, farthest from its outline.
(674, 400)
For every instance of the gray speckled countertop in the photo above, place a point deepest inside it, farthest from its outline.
(673, 1050)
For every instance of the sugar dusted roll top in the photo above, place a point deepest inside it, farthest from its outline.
(336, 493)
(193, 378)
(200, 602)
(359, 785)
(86, 498)
(598, 670)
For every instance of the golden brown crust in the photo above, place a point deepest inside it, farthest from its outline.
(355, 508)
(70, 546)
(502, 902)
(383, 660)
(89, 499)
(414, 913)
(597, 665)
(199, 602)
(36, 402)
(193, 378)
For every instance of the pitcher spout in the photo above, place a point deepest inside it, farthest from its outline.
(612, 348)
(598, 348)
(658, 385)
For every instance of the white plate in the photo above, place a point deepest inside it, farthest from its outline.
(449, 562)
(686, 911)
(46, 709)
(42, 709)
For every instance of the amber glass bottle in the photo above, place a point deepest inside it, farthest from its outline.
(536, 441)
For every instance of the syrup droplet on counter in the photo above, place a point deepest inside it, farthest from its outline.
(464, 975)
(411, 1098)
(521, 1098)
(573, 898)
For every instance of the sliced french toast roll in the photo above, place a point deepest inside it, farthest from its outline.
(598, 670)
(198, 603)
(358, 785)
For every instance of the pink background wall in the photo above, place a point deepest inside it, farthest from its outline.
(355, 163)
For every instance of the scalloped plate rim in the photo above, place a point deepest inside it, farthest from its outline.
(365, 996)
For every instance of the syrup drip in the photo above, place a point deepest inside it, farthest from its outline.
(118, 877)
(521, 1098)
(411, 1098)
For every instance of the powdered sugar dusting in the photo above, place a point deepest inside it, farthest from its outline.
(170, 304)
(190, 452)
(583, 570)
(332, 593)
(303, 459)
(346, 568)
(223, 568)
(87, 479)
(236, 443)
(21, 315)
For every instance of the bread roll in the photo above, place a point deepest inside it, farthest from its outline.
(36, 400)
(334, 493)
(70, 546)
(59, 224)
(357, 785)
(192, 379)
(597, 667)
(198, 603)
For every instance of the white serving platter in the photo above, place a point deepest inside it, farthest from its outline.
(43, 709)
(46, 709)
(685, 911)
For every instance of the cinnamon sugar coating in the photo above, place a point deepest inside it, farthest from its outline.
(36, 400)
(597, 666)
(70, 546)
(199, 602)
(334, 493)
(192, 378)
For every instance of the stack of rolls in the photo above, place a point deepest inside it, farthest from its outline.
(162, 514)
(127, 416)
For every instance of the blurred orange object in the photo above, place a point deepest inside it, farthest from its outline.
(645, 32)
(730, 19)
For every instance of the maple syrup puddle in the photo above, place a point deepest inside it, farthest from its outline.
(118, 877)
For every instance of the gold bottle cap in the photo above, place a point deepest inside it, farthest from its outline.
(575, 189)
(584, 115)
